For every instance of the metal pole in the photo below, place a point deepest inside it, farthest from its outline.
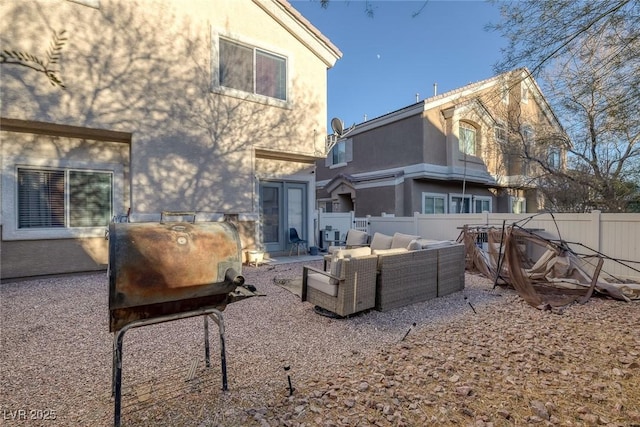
(117, 386)
(207, 359)
(216, 315)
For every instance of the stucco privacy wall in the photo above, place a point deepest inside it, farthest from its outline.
(148, 68)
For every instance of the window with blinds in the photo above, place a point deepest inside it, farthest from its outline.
(64, 198)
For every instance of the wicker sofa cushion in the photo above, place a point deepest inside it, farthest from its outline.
(333, 249)
(381, 241)
(334, 268)
(400, 240)
(323, 283)
(389, 251)
(355, 239)
(432, 244)
(354, 253)
(345, 253)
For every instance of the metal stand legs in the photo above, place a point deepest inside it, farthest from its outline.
(216, 317)
(116, 385)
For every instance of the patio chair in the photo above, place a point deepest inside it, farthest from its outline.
(295, 241)
(350, 286)
(354, 239)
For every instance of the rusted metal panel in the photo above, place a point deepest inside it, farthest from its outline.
(157, 269)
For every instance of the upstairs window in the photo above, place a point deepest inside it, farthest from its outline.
(252, 70)
(500, 132)
(505, 93)
(525, 93)
(61, 198)
(467, 139)
(553, 158)
(339, 153)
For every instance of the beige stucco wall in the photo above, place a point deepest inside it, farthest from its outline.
(145, 67)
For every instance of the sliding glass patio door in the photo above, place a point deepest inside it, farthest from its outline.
(282, 206)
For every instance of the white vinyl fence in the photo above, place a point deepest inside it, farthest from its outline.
(614, 235)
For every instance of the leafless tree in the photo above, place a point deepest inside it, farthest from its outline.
(587, 54)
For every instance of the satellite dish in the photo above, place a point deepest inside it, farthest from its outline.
(337, 126)
(338, 133)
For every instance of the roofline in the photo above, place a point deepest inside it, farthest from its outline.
(437, 100)
(309, 36)
(547, 106)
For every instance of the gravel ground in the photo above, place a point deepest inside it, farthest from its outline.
(480, 357)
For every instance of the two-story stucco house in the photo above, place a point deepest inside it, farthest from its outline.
(212, 106)
(457, 152)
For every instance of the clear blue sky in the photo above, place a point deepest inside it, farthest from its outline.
(390, 57)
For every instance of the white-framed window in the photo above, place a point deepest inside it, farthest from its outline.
(459, 203)
(525, 92)
(252, 70)
(482, 204)
(505, 93)
(339, 153)
(518, 205)
(434, 203)
(500, 131)
(553, 157)
(467, 138)
(63, 198)
(527, 134)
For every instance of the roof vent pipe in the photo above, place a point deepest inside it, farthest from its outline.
(435, 89)
(417, 97)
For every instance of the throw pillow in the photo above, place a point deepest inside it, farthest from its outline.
(381, 241)
(414, 245)
(357, 238)
(401, 240)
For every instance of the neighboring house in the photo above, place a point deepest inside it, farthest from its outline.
(215, 106)
(457, 152)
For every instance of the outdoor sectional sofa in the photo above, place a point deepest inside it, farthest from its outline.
(413, 269)
(406, 269)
